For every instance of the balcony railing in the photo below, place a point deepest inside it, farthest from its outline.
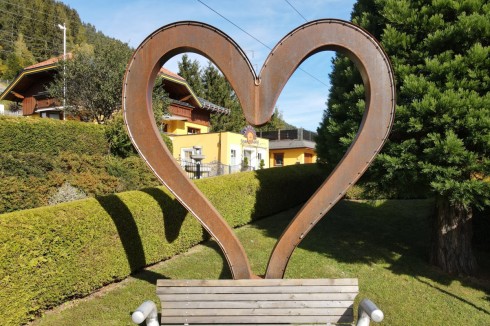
(211, 169)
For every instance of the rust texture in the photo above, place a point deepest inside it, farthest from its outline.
(258, 95)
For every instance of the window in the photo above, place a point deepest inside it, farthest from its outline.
(278, 159)
(233, 157)
(308, 158)
(185, 156)
(192, 131)
(51, 115)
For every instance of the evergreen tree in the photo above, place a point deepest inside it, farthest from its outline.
(191, 72)
(439, 145)
(277, 122)
(160, 101)
(219, 91)
(37, 21)
(210, 84)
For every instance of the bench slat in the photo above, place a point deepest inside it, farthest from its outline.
(258, 312)
(258, 289)
(255, 296)
(258, 282)
(257, 304)
(232, 320)
(269, 301)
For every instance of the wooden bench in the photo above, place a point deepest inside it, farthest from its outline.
(257, 302)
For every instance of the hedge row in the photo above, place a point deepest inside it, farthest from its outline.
(30, 179)
(51, 136)
(51, 254)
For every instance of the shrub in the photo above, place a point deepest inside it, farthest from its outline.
(19, 164)
(34, 177)
(117, 137)
(131, 171)
(66, 193)
(51, 254)
(51, 136)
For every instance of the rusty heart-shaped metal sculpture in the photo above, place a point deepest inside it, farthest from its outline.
(257, 96)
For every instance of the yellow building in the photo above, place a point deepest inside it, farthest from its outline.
(223, 152)
(188, 126)
(188, 114)
(294, 152)
(289, 147)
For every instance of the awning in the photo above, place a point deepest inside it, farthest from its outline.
(57, 109)
(174, 118)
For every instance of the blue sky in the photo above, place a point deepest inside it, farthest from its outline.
(302, 101)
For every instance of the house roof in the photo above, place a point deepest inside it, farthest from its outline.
(180, 91)
(291, 143)
(171, 74)
(49, 62)
(25, 79)
(177, 87)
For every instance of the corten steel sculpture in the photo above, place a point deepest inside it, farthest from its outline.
(257, 96)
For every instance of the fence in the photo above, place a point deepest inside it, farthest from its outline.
(196, 170)
(10, 113)
(299, 134)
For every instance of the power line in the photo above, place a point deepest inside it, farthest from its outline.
(228, 20)
(20, 15)
(26, 37)
(235, 25)
(289, 3)
(53, 16)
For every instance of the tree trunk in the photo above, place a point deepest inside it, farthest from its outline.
(452, 238)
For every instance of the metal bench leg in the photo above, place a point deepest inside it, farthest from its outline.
(368, 311)
(146, 311)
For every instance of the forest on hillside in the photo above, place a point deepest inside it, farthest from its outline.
(29, 33)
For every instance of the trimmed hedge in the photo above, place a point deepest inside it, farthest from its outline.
(51, 136)
(49, 255)
(30, 179)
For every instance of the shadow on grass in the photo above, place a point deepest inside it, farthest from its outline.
(395, 231)
(454, 296)
(148, 276)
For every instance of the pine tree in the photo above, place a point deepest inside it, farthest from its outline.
(219, 91)
(210, 84)
(37, 21)
(439, 145)
(160, 101)
(191, 72)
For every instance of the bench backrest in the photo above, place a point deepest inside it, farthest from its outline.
(258, 301)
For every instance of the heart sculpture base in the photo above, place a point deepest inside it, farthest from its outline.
(257, 96)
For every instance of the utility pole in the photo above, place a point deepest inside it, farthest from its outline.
(63, 27)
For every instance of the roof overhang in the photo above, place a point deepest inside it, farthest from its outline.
(179, 90)
(290, 144)
(174, 118)
(57, 108)
(22, 81)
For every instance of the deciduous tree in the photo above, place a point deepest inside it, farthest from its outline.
(93, 80)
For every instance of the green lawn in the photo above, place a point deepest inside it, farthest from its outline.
(382, 243)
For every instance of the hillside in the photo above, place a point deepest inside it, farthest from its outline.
(29, 33)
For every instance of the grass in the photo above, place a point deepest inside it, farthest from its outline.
(383, 243)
